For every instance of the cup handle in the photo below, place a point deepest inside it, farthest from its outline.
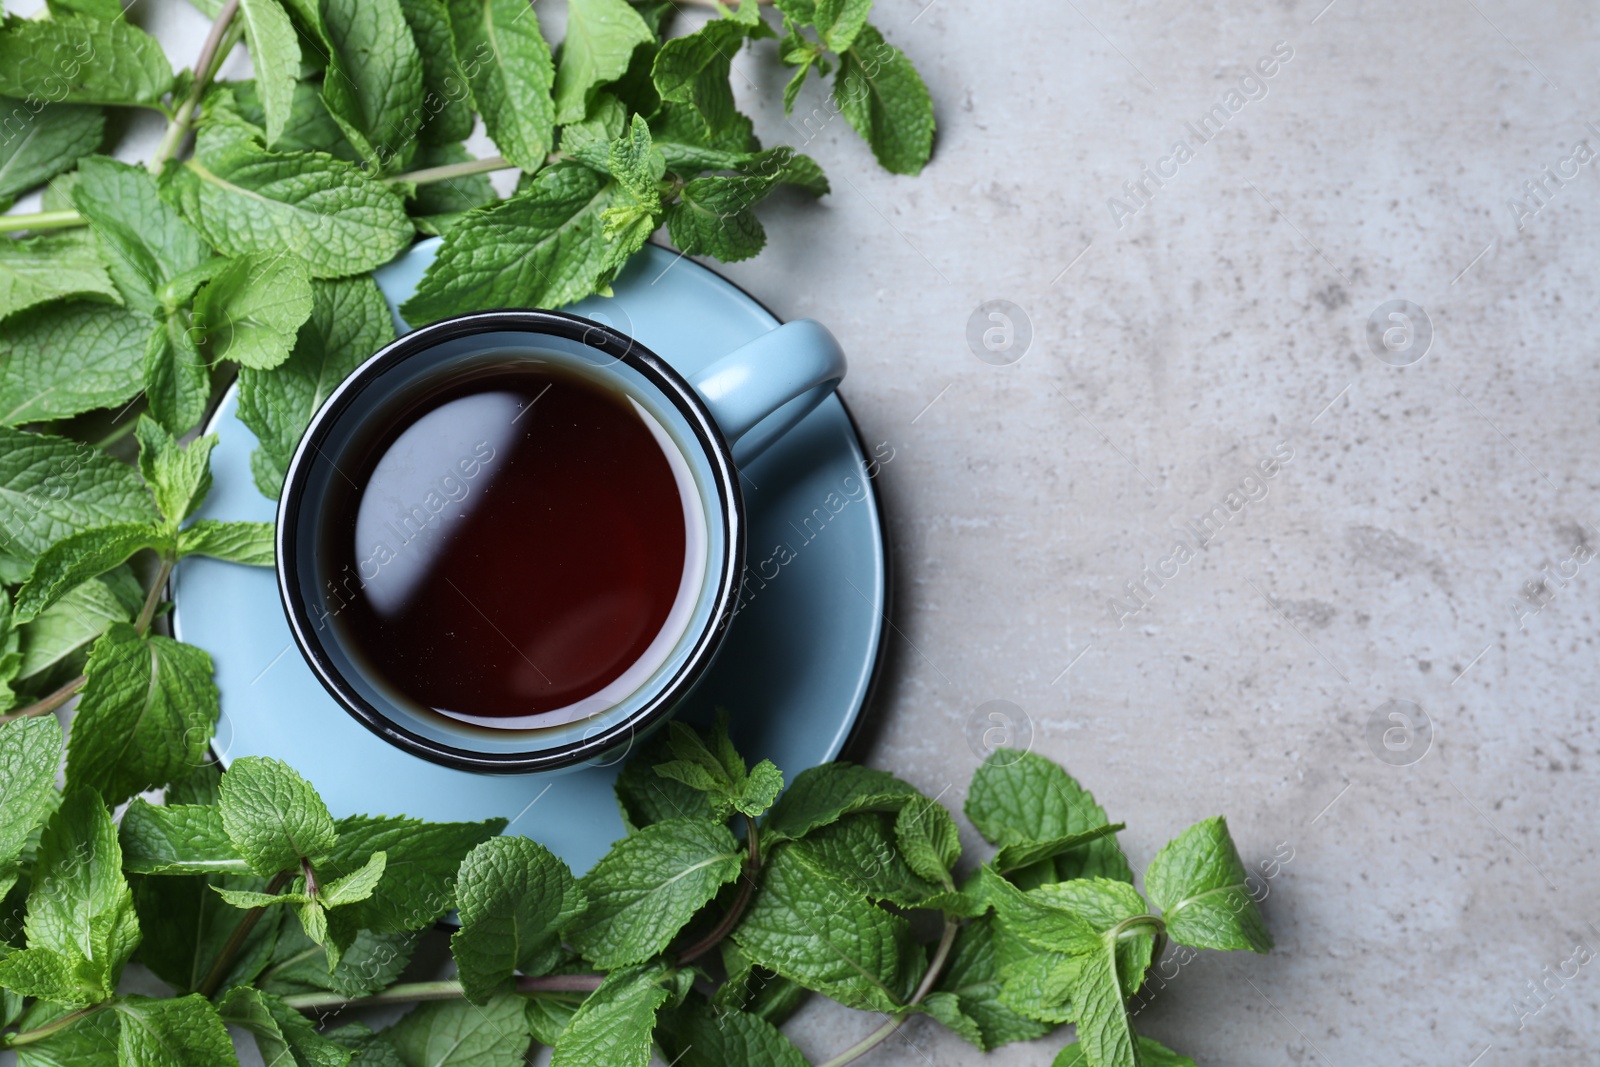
(757, 393)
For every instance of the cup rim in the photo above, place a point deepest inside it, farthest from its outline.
(670, 384)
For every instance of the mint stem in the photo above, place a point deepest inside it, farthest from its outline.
(935, 968)
(453, 170)
(747, 888)
(49, 703)
(224, 960)
(205, 68)
(411, 992)
(42, 220)
(153, 597)
(39, 1033)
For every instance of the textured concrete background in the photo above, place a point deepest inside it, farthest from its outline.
(1428, 541)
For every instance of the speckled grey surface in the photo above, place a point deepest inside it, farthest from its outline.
(1178, 339)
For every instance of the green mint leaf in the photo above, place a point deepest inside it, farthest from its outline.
(48, 269)
(275, 55)
(204, 786)
(250, 543)
(603, 123)
(65, 629)
(760, 790)
(253, 309)
(284, 1036)
(547, 1017)
(1107, 906)
(1027, 853)
(514, 899)
(1104, 1029)
(423, 858)
(356, 886)
(712, 217)
(1034, 983)
(859, 851)
(601, 37)
(309, 127)
(349, 322)
(883, 98)
(839, 22)
(644, 796)
(542, 247)
(80, 922)
(971, 977)
(52, 487)
(63, 359)
(146, 242)
(186, 925)
(373, 87)
(179, 476)
(612, 1027)
(797, 53)
(1151, 1054)
(649, 886)
(273, 816)
(71, 562)
(177, 379)
(807, 925)
(79, 60)
(146, 715)
(694, 69)
(928, 839)
(371, 962)
(89, 1042)
(946, 1008)
(176, 1032)
(441, 204)
(177, 839)
(312, 915)
(369, 1049)
(461, 1034)
(446, 98)
(1198, 882)
(1019, 797)
(825, 794)
(60, 135)
(710, 1038)
(508, 64)
(100, 9)
(329, 213)
(30, 752)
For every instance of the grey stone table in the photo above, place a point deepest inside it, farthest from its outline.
(1200, 261)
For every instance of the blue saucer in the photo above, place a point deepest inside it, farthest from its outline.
(796, 669)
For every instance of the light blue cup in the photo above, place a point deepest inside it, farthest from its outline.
(725, 416)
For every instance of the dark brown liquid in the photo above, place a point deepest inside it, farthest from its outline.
(520, 538)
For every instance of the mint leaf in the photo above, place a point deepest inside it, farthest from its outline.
(645, 796)
(275, 55)
(859, 850)
(1027, 853)
(826, 793)
(247, 899)
(1151, 1054)
(273, 816)
(146, 715)
(177, 839)
(253, 309)
(71, 562)
(79, 60)
(177, 380)
(928, 839)
(722, 774)
(1019, 797)
(147, 243)
(694, 69)
(649, 886)
(81, 926)
(284, 1036)
(601, 37)
(370, 963)
(30, 752)
(446, 98)
(514, 900)
(66, 358)
(612, 1027)
(604, 122)
(542, 247)
(177, 1032)
(1199, 883)
(250, 543)
(883, 98)
(418, 882)
(437, 206)
(971, 977)
(329, 213)
(186, 925)
(70, 624)
(838, 22)
(58, 136)
(1104, 1029)
(461, 1034)
(1034, 983)
(89, 1042)
(355, 886)
(508, 64)
(712, 217)
(636, 209)
(702, 1038)
(51, 487)
(807, 925)
(373, 87)
(349, 322)
(45, 269)
(100, 9)
(179, 477)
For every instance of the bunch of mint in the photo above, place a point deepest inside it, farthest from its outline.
(695, 936)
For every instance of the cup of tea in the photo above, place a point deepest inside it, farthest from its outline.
(512, 541)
